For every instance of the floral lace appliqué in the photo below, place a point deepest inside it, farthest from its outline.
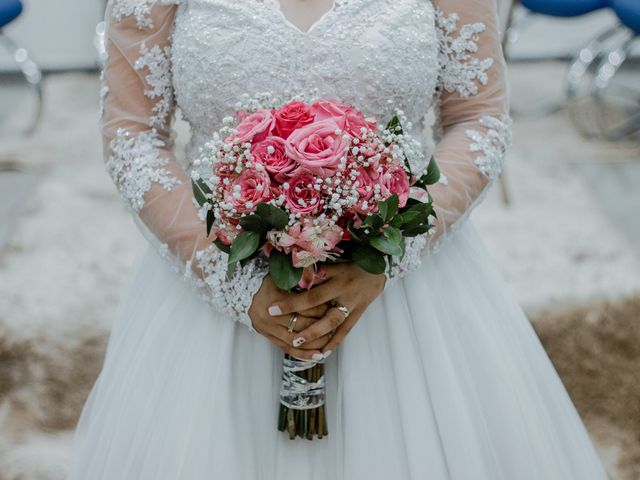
(231, 296)
(135, 165)
(492, 144)
(157, 61)
(140, 9)
(460, 70)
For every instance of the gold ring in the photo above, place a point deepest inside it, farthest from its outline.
(345, 311)
(292, 322)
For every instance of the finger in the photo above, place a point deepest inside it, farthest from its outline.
(341, 334)
(300, 302)
(296, 352)
(332, 320)
(318, 343)
(301, 323)
(316, 312)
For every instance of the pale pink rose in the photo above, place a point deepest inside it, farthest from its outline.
(317, 147)
(312, 276)
(301, 196)
(291, 117)
(255, 127)
(271, 153)
(394, 179)
(348, 118)
(311, 244)
(248, 189)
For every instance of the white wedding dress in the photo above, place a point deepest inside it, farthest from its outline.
(442, 377)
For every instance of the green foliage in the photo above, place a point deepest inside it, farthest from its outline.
(282, 271)
(244, 246)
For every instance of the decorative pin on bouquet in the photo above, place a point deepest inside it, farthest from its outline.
(305, 184)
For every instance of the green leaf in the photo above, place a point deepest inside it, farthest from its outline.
(355, 234)
(389, 207)
(369, 259)
(273, 216)
(244, 246)
(210, 218)
(222, 246)
(394, 125)
(374, 222)
(389, 242)
(396, 221)
(419, 230)
(433, 172)
(200, 190)
(253, 222)
(431, 176)
(282, 271)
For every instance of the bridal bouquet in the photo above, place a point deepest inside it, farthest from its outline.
(303, 184)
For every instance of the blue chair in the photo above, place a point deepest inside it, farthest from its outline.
(564, 8)
(9, 11)
(628, 11)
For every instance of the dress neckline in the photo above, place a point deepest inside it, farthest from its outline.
(276, 6)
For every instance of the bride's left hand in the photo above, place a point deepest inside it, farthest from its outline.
(347, 285)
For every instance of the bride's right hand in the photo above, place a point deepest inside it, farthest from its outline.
(275, 328)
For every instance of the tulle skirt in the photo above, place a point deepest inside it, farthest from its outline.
(442, 378)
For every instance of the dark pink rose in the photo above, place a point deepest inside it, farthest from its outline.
(270, 152)
(394, 179)
(348, 118)
(248, 189)
(290, 117)
(301, 196)
(317, 147)
(255, 127)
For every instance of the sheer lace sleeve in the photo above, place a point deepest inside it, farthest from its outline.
(136, 124)
(473, 128)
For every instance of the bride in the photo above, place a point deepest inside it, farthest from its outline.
(435, 371)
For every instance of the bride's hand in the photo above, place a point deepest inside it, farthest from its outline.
(275, 328)
(347, 285)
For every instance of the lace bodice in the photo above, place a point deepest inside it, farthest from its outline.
(351, 53)
(203, 56)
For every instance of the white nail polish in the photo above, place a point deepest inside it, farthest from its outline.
(317, 357)
(274, 310)
(298, 341)
(327, 353)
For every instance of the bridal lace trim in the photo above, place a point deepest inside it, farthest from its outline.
(460, 70)
(491, 143)
(135, 165)
(234, 295)
(140, 9)
(158, 62)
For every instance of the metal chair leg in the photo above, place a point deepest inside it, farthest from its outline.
(610, 65)
(582, 70)
(31, 73)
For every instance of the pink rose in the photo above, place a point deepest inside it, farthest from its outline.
(317, 147)
(248, 189)
(290, 117)
(255, 127)
(301, 196)
(271, 153)
(350, 120)
(395, 180)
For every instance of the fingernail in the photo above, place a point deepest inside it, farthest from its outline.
(317, 357)
(327, 353)
(298, 341)
(275, 310)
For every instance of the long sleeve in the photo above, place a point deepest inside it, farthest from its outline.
(473, 128)
(136, 125)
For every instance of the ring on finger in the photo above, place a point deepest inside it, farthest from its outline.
(344, 310)
(292, 322)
